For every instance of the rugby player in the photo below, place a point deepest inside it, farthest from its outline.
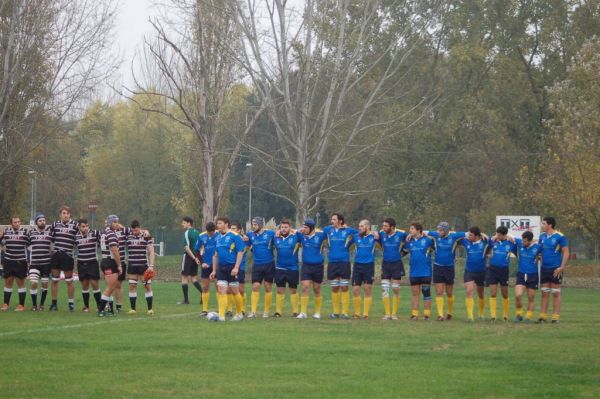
(497, 272)
(476, 247)
(263, 269)
(15, 240)
(205, 250)
(420, 246)
(312, 241)
(241, 277)
(140, 252)
(63, 236)
(364, 268)
(527, 274)
(111, 262)
(392, 241)
(40, 244)
(190, 261)
(286, 269)
(88, 270)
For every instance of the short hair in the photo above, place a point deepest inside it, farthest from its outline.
(64, 208)
(237, 226)
(502, 230)
(417, 226)
(210, 227)
(339, 216)
(83, 221)
(135, 224)
(390, 221)
(365, 222)
(286, 221)
(475, 231)
(527, 235)
(188, 220)
(550, 220)
(13, 218)
(224, 220)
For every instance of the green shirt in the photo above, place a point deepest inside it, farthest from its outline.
(190, 237)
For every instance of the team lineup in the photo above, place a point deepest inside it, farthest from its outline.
(288, 257)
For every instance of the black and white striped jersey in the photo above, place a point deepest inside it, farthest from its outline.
(87, 246)
(64, 235)
(137, 246)
(40, 245)
(108, 238)
(15, 243)
(122, 238)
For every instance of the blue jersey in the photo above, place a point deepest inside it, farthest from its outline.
(365, 248)
(552, 249)
(528, 257)
(262, 246)
(228, 246)
(476, 252)
(392, 245)
(209, 243)
(445, 247)
(339, 241)
(501, 251)
(420, 250)
(243, 263)
(312, 247)
(287, 251)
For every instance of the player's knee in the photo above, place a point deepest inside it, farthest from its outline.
(133, 283)
(234, 284)
(546, 291)
(223, 284)
(555, 292)
(385, 288)
(396, 287)
(426, 291)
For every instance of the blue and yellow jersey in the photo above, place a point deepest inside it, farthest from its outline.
(243, 263)
(262, 246)
(209, 243)
(445, 247)
(365, 248)
(392, 245)
(227, 247)
(501, 251)
(420, 250)
(476, 253)
(339, 241)
(312, 247)
(552, 249)
(287, 251)
(528, 256)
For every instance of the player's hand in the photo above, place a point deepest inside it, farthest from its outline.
(212, 275)
(245, 238)
(234, 271)
(120, 269)
(485, 236)
(197, 260)
(146, 233)
(205, 265)
(558, 271)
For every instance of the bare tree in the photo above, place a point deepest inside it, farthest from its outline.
(330, 77)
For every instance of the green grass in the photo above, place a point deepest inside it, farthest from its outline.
(177, 354)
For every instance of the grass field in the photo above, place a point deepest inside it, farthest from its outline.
(177, 354)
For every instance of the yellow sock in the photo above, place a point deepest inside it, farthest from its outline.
(222, 302)
(279, 301)
(357, 304)
(205, 298)
(481, 303)
(239, 302)
(254, 298)
(318, 303)
(345, 302)
(470, 304)
(543, 316)
(386, 306)
(505, 308)
(268, 301)
(230, 302)
(520, 311)
(451, 305)
(415, 312)
(555, 316)
(427, 313)
(335, 299)
(368, 303)
(395, 304)
(439, 302)
(294, 299)
(244, 303)
(529, 315)
(304, 304)
(493, 302)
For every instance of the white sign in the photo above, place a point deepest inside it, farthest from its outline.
(518, 224)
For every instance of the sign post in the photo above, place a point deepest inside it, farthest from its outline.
(92, 207)
(518, 224)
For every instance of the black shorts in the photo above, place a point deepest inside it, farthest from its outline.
(263, 272)
(62, 261)
(478, 277)
(338, 270)
(43, 269)
(289, 277)
(529, 280)
(496, 275)
(443, 274)
(241, 276)
(363, 273)
(139, 270)
(224, 273)
(205, 273)
(189, 267)
(109, 267)
(88, 270)
(426, 280)
(14, 268)
(313, 272)
(548, 277)
(392, 270)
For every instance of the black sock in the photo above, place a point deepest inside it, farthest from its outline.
(198, 286)
(22, 295)
(44, 294)
(111, 309)
(54, 302)
(184, 287)
(102, 305)
(132, 300)
(34, 299)
(7, 295)
(86, 298)
(97, 297)
(149, 302)
(119, 306)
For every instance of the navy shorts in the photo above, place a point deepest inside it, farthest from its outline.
(62, 261)
(205, 273)
(189, 267)
(548, 277)
(109, 266)
(426, 280)
(88, 270)
(497, 275)
(478, 277)
(443, 274)
(338, 270)
(529, 280)
(14, 268)
(43, 269)
(313, 272)
(224, 273)
(263, 272)
(289, 277)
(363, 273)
(392, 270)
(241, 276)
(139, 270)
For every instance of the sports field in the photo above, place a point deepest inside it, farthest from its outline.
(177, 354)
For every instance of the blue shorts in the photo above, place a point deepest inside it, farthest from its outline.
(425, 280)
(477, 277)
(241, 276)
(289, 277)
(548, 277)
(529, 280)
(224, 273)
(392, 270)
(263, 272)
(497, 275)
(443, 274)
(338, 270)
(205, 273)
(313, 272)
(363, 273)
